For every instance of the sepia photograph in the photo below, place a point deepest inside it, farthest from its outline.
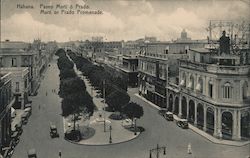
(125, 79)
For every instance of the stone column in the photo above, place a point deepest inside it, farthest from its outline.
(187, 108)
(219, 122)
(234, 132)
(173, 105)
(180, 106)
(215, 122)
(205, 117)
(195, 112)
(239, 125)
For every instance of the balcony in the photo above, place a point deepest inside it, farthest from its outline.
(236, 70)
(214, 68)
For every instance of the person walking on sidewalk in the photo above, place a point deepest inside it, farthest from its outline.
(189, 151)
(60, 154)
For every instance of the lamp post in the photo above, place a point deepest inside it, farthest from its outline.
(110, 138)
(157, 150)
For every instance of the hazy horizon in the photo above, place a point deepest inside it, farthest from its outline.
(121, 20)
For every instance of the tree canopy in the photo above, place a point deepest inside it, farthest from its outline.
(133, 110)
(116, 100)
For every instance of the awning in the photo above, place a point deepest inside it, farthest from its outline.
(198, 87)
(182, 83)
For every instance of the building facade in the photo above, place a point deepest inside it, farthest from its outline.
(21, 86)
(213, 91)
(158, 62)
(6, 102)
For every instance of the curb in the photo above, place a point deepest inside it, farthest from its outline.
(218, 141)
(202, 133)
(104, 144)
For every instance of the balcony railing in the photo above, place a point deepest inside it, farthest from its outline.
(213, 68)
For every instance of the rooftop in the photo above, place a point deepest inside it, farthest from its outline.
(14, 45)
(200, 50)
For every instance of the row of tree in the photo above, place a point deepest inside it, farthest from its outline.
(75, 98)
(115, 87)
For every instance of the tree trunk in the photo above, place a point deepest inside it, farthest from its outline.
(74, 127)
(132, 122)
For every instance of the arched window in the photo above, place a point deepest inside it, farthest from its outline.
(244, 90)
(199, 86)
(227, 90)
(191, 82)
(183, 80)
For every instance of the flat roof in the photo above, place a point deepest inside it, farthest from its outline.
(200, 50)
(14, 44)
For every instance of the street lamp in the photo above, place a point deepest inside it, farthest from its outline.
(110, 138)
(157, 150)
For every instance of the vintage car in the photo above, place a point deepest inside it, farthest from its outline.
(183, 123)
(169, 116)
(28, 110)
(162, 112)
(28, 106)
(25, 117)
(32, 153)
(53, 131)
(15, 138)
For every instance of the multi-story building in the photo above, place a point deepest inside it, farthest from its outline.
(20, 54)
(157, 63)
(213, 91)
(20, 84)
(6, 102)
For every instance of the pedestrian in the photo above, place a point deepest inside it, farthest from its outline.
(189, 151)
(39, 106)
(60, 154)
(46, 93)
(220, 134)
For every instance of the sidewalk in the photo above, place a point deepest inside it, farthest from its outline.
(200, 132)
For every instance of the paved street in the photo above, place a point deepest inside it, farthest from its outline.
(157, 130)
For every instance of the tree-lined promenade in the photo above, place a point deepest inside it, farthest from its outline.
(75, 98)
(115, 87)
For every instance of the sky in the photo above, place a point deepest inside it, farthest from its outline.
(121, 19)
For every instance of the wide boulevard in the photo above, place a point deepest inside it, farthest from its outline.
(46, 109)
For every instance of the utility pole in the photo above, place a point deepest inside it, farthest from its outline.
(167, 97)
(157, 150)
(104, 121)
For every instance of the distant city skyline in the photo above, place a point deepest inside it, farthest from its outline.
(121, 20)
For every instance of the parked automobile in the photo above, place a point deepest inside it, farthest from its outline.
(28, 110)
(183, 123)
(15, 138)
(18, 127)
(28, 106)
(162, 112)
(25, 117)
(169, 116)
(32, 153)
(53, 131)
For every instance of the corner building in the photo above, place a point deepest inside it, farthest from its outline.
(213, 92)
